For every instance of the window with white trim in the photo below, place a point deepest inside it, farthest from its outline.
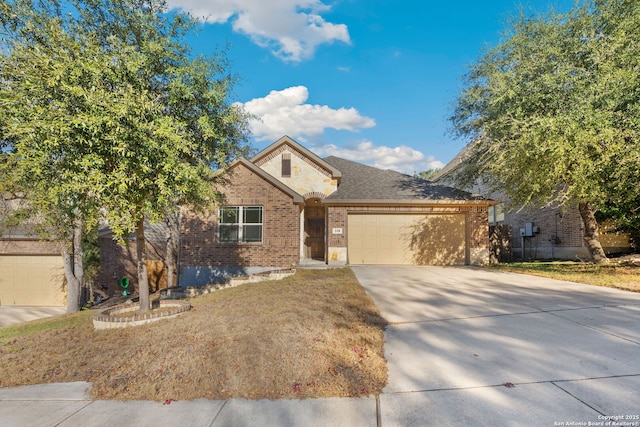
(496, 214)
(240, 224)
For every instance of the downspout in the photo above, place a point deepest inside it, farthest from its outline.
(326, 235)
(302, 257)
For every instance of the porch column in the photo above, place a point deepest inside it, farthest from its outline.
(302, 248)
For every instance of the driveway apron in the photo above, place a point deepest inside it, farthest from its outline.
(468, 346)
(14, 314)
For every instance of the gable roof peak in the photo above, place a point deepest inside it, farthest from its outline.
(290, 142)
(297, 198)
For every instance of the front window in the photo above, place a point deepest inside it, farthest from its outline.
(496, 214)
(240, 224)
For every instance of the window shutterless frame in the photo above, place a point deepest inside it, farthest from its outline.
(240, 224)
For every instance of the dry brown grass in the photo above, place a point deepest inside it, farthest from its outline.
(315, 334)
(613, 275)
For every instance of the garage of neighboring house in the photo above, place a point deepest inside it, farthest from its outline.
(407, 238)
(32, 280)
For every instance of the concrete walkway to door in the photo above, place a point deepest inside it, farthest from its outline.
(468, 346)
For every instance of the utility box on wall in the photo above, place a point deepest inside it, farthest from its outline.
(529, 230)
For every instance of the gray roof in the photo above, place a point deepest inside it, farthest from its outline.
(157, 232)
(453, 164)
(365, 184)
(20, 232)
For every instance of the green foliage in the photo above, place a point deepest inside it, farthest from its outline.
(554, 109)
(107, 114)
(428, 174)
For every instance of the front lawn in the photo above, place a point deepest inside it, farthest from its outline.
(613, 275)
(315, 334)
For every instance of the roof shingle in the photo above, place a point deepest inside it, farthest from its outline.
(362, 183)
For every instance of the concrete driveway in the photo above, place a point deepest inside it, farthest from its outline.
(14, 314)
(467, 346)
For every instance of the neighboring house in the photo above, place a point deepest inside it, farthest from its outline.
(31, 267)
(544, 233)
(286, 206)
(31, 270)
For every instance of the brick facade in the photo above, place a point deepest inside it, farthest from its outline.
(120, 260)
(29, 247)
(298, 224)
(560, 233)
(280, 246)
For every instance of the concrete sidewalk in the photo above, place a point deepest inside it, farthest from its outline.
(69, 405)
(465, 347)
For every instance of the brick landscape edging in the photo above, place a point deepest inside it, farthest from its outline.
(106, 319)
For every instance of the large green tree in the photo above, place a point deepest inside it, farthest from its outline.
(554, 111)
(109, 115)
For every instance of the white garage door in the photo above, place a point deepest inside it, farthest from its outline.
(32, 280)
(431, 239)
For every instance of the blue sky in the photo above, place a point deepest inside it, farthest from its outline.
(367, 80)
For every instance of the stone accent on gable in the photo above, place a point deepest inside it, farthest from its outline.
(286, 148)
(280, 246)
(306, 175)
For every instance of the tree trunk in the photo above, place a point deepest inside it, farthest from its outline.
(592, 234)
(173, 235)
(73, 269)
(78, 260)
(143, 279)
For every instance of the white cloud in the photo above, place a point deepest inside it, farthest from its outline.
(401, 158)
(285, 113)
(291, 29)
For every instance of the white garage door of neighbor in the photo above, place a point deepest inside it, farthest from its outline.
(419, 239)
(32, 280)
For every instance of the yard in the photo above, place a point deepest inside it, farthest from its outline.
(315, 334)
(614, 275)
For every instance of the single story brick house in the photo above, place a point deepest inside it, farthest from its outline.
(286, 206)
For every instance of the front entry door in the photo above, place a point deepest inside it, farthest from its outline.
(314, 230)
